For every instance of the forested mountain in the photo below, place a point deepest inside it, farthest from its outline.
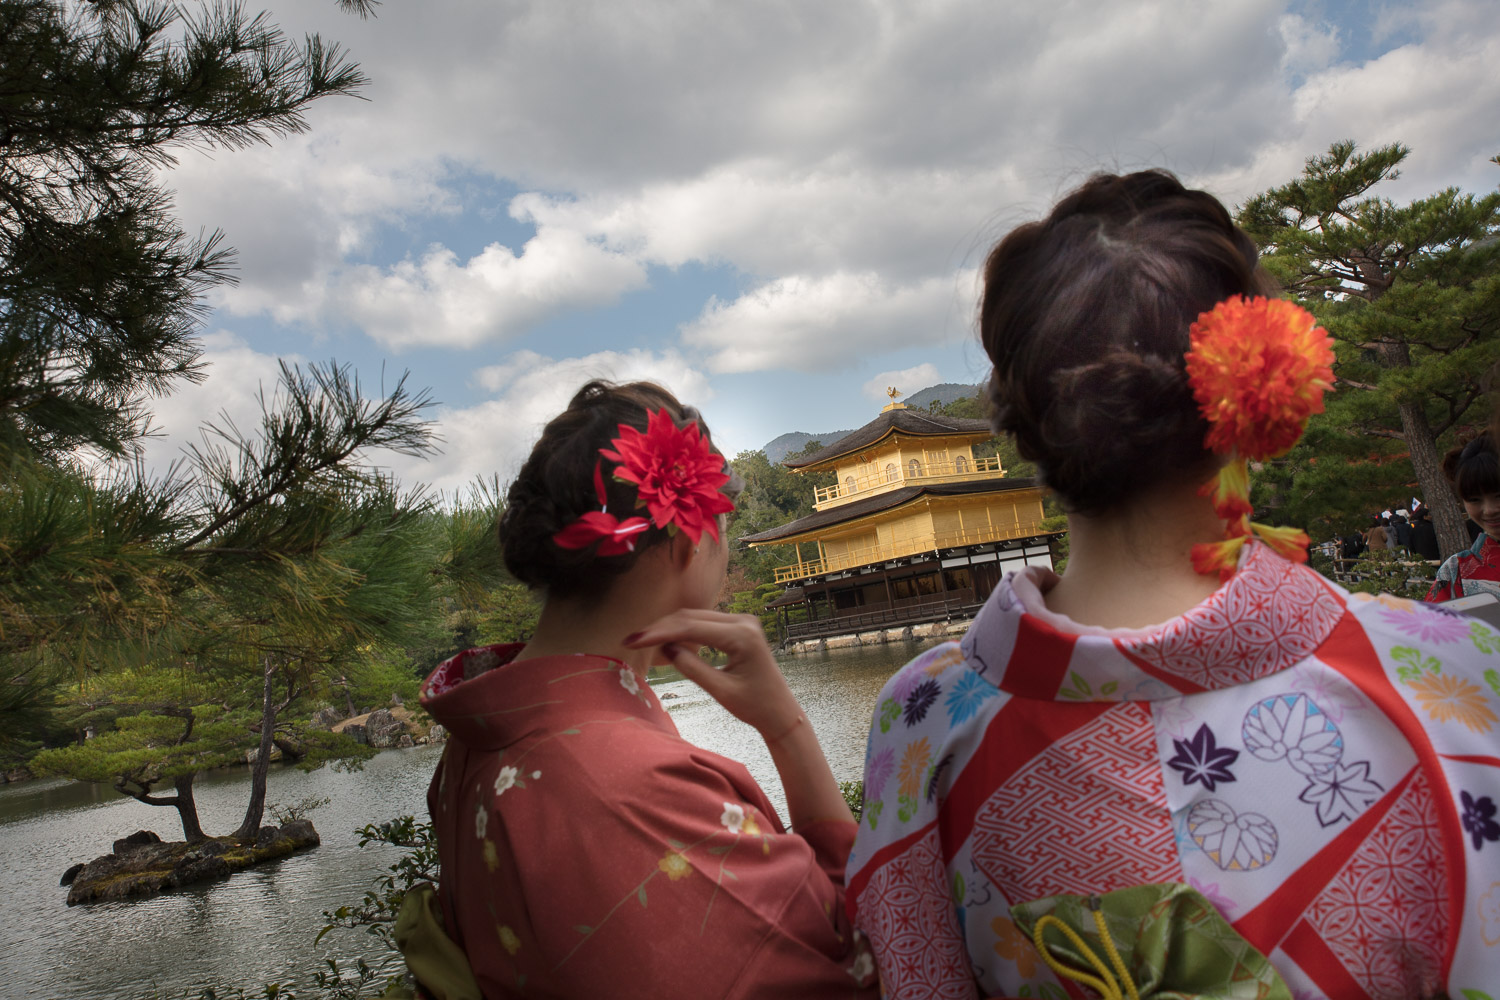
(945, 393)
(780, 447)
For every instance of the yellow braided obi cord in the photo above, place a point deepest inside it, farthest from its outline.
(1105, 984)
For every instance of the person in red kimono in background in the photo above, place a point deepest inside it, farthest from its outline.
(1473, 470)
(586, 848)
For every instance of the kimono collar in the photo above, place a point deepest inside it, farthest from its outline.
(1270, 615)
(485, 699)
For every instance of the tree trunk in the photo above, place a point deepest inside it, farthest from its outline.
(139, 788)
(348, 699)
(1421, 444)
(1447, 516)
(187, 809)
(253, 812)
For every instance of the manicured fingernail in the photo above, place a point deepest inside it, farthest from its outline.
(670, 650)
(632, 637)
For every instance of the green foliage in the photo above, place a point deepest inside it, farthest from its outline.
(753, 602)
(1058, 522)
(376, 912)
(1411, 295)
(152, 746)
(101, 287)
(977, 408)
(854, 795)
(284, 814)
(509, 614)
(230, 557)
(382, 672)
(773, 496)
(1380, 573)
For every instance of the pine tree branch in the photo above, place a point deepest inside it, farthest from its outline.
(141, 790)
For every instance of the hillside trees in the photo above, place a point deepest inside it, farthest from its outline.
(773, 495)
(1411, 295)
(260, 565)
(272, 559)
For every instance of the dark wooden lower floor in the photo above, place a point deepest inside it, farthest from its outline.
(925, 588)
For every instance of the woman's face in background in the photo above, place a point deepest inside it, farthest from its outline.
(1484, 510)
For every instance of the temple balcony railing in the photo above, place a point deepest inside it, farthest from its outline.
(863, 556)
(959, 470)
(914, 611)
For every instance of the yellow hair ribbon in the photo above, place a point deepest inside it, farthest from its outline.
(1230, 490)
(1218, 557)
(1288, 542)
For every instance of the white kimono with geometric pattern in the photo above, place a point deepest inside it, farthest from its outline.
(1322, 766)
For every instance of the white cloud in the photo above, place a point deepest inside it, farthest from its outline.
(764, 218)
(1428, 95)
(296, 210)
(813, 323)
(495, 436)
(830, 155)
(1309, 46)
(230, 392)
(906, 380)
(495, 295)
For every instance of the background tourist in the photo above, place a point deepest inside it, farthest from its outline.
(1424, 543)
(1473, 469)
(1402, 529)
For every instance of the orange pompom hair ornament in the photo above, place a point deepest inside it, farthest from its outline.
(1258, 369)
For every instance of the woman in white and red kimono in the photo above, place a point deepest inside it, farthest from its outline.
(587, 850)
(1186, 704)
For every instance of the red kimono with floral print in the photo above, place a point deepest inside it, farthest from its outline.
(588, 850)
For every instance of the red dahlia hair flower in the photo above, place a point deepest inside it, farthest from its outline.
(615, 537)
(676, 474)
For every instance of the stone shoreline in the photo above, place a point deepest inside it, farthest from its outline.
(143, 865)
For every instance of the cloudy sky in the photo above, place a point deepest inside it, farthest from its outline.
(774, 208)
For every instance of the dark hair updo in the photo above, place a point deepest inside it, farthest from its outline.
(556, 486)
(1085, 315)
(1473, 468)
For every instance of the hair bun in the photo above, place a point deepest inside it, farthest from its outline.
(1086, 314)
(1104, 418)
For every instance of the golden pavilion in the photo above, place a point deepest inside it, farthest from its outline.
(915, 529)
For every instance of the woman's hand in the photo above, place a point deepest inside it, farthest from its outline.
(750, 686)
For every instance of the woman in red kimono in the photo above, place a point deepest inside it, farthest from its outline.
(587, 850)
(1473, 470)
(1186, 707)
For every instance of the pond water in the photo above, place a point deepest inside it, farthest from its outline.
(258, 926)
